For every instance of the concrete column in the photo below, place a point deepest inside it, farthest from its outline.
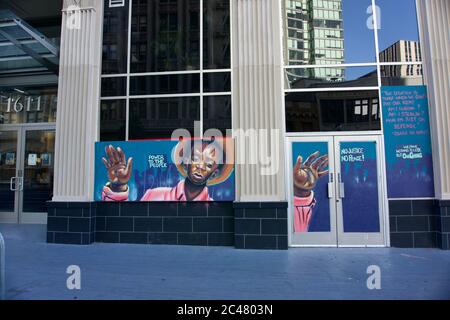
(434, 25)
(258, 99)
(78, 100)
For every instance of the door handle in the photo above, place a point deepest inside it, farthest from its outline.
(20, 183)
(331, 187)
(341, 187)
(341, 190)
(11, 183)
(16, 184)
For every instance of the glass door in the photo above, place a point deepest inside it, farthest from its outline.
(38, 164)
(337, 191)
(359, 187)
(10, 182)
(26, 173)
(312, 206)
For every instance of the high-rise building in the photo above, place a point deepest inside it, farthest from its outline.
(315, 36)
(403, 51)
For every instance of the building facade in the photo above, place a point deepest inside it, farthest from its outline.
(339, 122)
(403, 51)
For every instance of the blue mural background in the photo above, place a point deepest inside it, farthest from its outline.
(359, 175)
(409, 160)
(144, 177)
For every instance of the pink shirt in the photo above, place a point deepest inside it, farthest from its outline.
(303, 208)
(158, 194)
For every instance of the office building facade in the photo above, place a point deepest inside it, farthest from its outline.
(339, 123)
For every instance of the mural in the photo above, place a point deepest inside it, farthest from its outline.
(165, 170)
(409, 159)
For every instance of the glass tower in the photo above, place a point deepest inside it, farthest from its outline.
(315, 36)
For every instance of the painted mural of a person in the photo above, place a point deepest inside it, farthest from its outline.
(209, 165)
(306, 175)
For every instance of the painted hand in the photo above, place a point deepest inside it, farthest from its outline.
(119, 170)
(307, 174)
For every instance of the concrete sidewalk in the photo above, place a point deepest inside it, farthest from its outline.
(37, 270)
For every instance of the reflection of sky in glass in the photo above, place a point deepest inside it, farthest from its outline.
(359, 41)
(398, 22)
(357, 72)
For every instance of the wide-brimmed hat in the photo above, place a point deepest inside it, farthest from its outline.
(225, 169)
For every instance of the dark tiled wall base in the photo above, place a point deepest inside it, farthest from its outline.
(199, 223)
(419, 224)
(443, 236)
(413, 224)
(260, 225)
(71, 223)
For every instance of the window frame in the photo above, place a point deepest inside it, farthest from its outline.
(377, 64)
(201, 71)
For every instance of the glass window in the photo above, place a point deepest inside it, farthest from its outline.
(115, 39)
(329, 32)
(402, 75)
(216, 34)
(217, 113)
(323, 37)
(162, 85)
(217, 82)
(113, 120)
(332, 111)
(165, 84)
(331, 77)
(170, 41)
(114, 87)
(28, 105)
(398, 42)
(158, 118)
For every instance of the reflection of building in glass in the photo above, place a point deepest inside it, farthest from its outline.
(154, 118)
(115, 36)
(165, 36)
(300, 82)
(112, 116)
(315, 36)
(216, 34)
(333, 111)
(402, 51)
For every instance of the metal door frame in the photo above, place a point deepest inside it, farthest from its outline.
(19, 216)
(383, 199)
(356, 239)
(316, 239)
(13, 216)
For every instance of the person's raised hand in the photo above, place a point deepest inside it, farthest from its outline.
(307, 174)
(119, 170)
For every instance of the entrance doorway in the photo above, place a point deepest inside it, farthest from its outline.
(26, 172)
(337, 191)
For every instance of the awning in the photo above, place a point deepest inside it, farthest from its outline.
(24, 49)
